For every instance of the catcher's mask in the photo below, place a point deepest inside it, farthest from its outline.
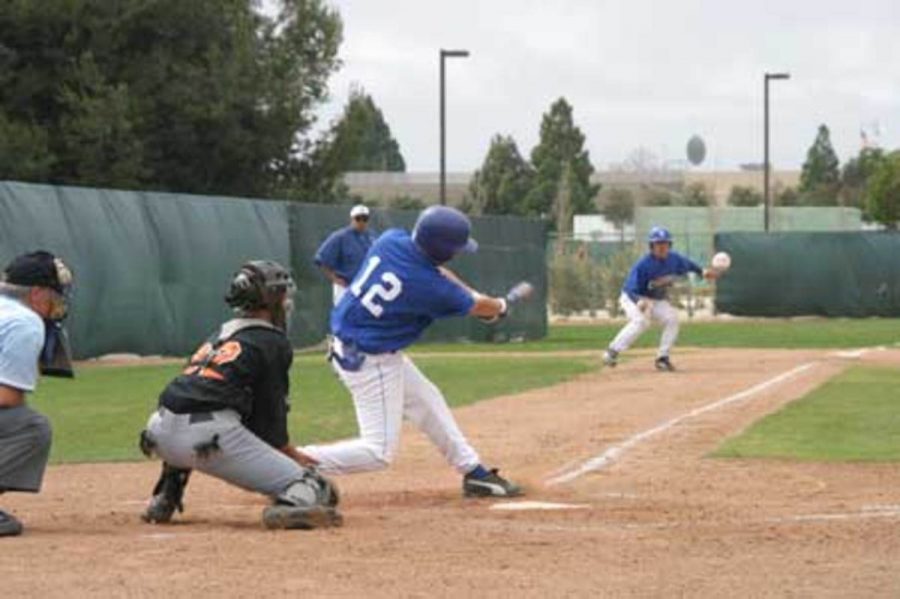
(263, 285)
(42, 269)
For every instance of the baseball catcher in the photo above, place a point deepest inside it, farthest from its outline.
(226, 414)
(401, 289)
(644, 296)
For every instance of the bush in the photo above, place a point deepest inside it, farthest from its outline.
(613, 273)
(744, 196)
(575, 284)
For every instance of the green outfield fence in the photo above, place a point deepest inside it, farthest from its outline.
(855, 274)
(587, 269)
(152, 268)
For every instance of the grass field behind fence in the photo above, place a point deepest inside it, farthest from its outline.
(769, 333)
(853, 417)
(97, 416)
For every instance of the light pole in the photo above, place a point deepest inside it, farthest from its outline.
(766, 166)
(444, 55)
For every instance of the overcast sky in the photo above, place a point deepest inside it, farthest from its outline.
(638, 73)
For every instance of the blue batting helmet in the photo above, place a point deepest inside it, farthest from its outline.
(659, 235)
(442, 232)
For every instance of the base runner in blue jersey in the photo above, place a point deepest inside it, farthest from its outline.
(401, 289)
(644, 296)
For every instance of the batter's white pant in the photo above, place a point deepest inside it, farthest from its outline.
(387, 388)
(337, 292)
(639, 321)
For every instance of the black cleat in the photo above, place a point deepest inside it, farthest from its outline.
(492, 485)
(160, 510)
(663, 364)
(9, 525)
(167, 495)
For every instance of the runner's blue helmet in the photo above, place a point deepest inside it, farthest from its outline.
(442, 232)
(659, 235)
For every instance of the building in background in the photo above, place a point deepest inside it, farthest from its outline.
(383, 187)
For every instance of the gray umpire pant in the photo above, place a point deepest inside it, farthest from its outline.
(241, 458)
(25, 437)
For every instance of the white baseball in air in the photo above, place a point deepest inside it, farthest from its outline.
(721, 261)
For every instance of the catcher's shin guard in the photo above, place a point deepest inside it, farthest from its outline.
(167, 495)
(306, 504)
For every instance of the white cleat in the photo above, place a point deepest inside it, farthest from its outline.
(610, 358)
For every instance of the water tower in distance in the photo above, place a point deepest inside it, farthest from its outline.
(696, 150)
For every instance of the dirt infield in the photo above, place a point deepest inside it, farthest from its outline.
(661, 519)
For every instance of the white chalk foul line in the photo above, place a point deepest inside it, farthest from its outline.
(613, 453)
(516, 506)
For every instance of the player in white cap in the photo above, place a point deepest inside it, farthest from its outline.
(341, 254)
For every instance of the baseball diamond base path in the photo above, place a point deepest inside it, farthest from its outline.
(662, 519)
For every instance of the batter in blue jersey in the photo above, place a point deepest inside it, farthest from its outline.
(400, 290)
(644, 297)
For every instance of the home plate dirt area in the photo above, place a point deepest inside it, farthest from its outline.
(622, 500)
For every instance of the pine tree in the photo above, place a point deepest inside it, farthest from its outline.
(561, 143)
(362, 139)
(820, 179)
(501, 185)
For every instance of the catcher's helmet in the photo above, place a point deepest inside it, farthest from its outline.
(659, 235)
(442, 232)
(258, 285)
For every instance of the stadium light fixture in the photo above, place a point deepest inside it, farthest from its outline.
(766, 166)
(445, 54)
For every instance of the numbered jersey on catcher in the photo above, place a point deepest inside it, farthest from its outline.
(396, 295)
(246, 372)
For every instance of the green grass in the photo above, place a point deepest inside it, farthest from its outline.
(853, 417)
(97, 416)
(769, 333)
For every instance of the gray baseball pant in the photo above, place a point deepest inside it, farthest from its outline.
(25, 437)
(241, 458)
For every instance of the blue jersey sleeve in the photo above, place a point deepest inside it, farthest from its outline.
(638, 280)
(329, 253)
(686, 265)
(450, 299)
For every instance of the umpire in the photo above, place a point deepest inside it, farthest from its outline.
(341, 254)
(33, 302)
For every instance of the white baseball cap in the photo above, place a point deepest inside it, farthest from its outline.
(359, 210)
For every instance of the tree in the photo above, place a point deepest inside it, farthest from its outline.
(98, 141)
(820, 178)
(561, 142)
(744, 196)
(856, 174)
(696, 194)
(207, 96)
(883, 195)
(407, 202)
(563, 206)
(501, 185)
(657, 196)
(24, 151)
(787, 197)
(619, 209)
(362, 140)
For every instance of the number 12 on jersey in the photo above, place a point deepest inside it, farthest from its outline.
(387, 290)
